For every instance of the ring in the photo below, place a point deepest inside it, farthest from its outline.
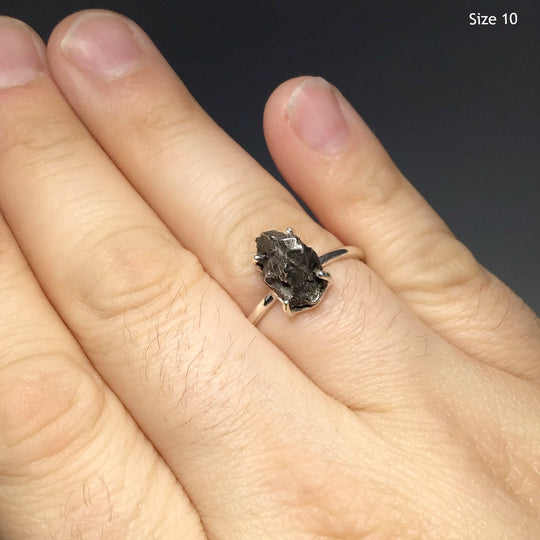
(294, 272)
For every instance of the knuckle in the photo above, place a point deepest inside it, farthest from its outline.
(440, 264)
(131, 269)
(162, 120)
(47, 402)
(380, 184)
(25, 143)
(323, 500)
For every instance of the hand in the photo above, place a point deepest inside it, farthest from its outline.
(137, 401)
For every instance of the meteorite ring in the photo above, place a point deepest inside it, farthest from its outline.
(294, 272)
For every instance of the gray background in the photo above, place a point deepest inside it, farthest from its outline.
(455, 105)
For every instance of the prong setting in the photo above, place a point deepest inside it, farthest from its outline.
(294, 272)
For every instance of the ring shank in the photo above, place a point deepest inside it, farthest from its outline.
(347, 252)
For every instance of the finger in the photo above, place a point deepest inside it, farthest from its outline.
(217, 200)
(67, 444)
(496, 413)
(197, 377)
(385, 361)
(334, 162)
(264, 488)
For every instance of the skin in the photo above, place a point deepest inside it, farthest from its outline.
(137, 401)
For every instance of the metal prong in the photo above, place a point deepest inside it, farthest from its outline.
(287, 309)
(323, 275)
(289, 231)
(258, 257)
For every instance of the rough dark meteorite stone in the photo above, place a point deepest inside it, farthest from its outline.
(289, 268)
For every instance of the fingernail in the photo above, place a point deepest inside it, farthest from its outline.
(316, 116)
(102, 44)
(19, 59)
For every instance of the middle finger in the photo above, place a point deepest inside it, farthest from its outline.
(196, 376)
(217, 199)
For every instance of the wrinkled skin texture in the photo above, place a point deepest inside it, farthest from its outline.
(137, 401)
